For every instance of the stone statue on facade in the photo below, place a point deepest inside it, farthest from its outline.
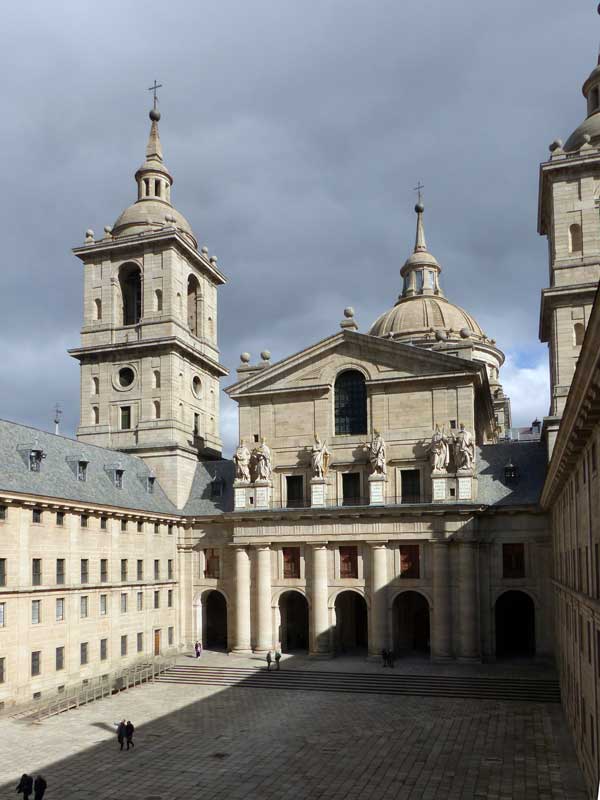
(263, 466)
(439, 450)
(320, 457)
(377, 454)
(464, 450)
(241, 459)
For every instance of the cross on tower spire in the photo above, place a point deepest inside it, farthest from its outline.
(418, 189)
(153, 89)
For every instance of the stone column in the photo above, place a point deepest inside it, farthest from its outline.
(320, 612)
(264, 613)
(242, 601)
(378, 638)
(469, 628)
(441, 624)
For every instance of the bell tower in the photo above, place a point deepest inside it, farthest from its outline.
(149, 359)
(569, 218)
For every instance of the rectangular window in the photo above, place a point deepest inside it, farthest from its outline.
(123, 526)
(294, 491)
(59, 659)
(140, 642)
(2, 670)
(123, 602)
(351, 488)
(211, 563)
(170, 635)
(83, 653)
(156, 599)
(410, 485)
(60, 609)
(83, 606)
(103, 570)
(103, 605)
(170, 598)
(140, 527)
(124, 645)
(103, 523)
(125, 418)
(291, 562)
(36, 662)
(123, 569)
(513, 560)
(2, 513)
(36, 571)
(60, 571)
(348, 562)
(103, 649)
(85, 570)
(140, 569)
(36, 612)
(156, 527)
(140, 601)
(2, 572)
(2, 615)
(84, 520)
(409, 561)
(156, 569)
(170, 569)
(36, 515)
(60, 518)
(170, 530)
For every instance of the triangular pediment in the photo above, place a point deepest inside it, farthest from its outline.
(379, 359)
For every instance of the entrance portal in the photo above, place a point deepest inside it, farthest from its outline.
(410, 614)
(293, 631)
(214, 621)
(515, 625)
(351, 627)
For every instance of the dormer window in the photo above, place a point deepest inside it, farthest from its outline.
(216, 488)
(82, 466)
(150, 481)
(119, 478)
(36, 456)
(511, 472)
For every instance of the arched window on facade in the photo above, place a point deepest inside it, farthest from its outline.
(193, 301)
(575, 239)
(156, 378)
(95, 385)
(158, 300)
(130, 278)
(96, 415)
(156, 409)
(350, 403)
(97, 308)
(578, 333)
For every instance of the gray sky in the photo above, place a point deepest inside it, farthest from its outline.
(295, 131)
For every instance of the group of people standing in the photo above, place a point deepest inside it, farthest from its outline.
(125, 731)
(387, 658)
(27, 785)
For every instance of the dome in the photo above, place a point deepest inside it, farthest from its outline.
(418, 315)
(151, 214)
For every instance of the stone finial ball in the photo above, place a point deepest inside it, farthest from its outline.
(213, 259)
(465, 333)
(587, 138)
(441, 335)
(108, 229)
(245, 358)
(154, 115)
(349, 312)
(265, 355)
(204, 250)
(556, 145)
(419, 208)
(89, 233)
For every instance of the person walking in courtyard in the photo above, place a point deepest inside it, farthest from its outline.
(121, 732)
(198, 649)
(129, 729)
(25, 786)
(269, 660)
(278, 655)
(39, 788)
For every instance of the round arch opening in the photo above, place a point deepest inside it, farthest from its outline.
(214, 620)
(515, 625)
(351, 624)
(411, 624)
(293, 628)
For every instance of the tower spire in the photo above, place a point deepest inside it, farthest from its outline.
(421, 270)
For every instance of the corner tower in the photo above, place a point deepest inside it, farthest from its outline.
(568, 216)
(149, 359)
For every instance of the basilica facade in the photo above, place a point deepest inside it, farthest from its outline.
(378, 498)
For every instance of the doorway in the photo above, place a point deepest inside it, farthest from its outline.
(214, 620)
(410, 621)
(293, 630)
(351, 626)
(515, 625)
(157, 641)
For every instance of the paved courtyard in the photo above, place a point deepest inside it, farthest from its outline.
(235, 743)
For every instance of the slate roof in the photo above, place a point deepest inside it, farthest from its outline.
(202, 500)
(58, 474)
(531, 461)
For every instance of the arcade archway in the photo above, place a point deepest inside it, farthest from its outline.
(410, 621)
(214, 620)
(293, 629)
(515, 625)
(351, 626)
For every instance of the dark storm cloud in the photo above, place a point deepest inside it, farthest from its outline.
(295, 132)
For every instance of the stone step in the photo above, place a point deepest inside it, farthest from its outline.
(474, 687)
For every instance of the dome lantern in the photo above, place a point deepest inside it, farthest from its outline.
(421, 270)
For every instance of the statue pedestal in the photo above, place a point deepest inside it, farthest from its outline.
(262, 494)
(465, 486)
(377, 490)
(439, 487)
(318, 492)
(240, 495)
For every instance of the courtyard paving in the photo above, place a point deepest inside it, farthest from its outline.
(237, 743)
